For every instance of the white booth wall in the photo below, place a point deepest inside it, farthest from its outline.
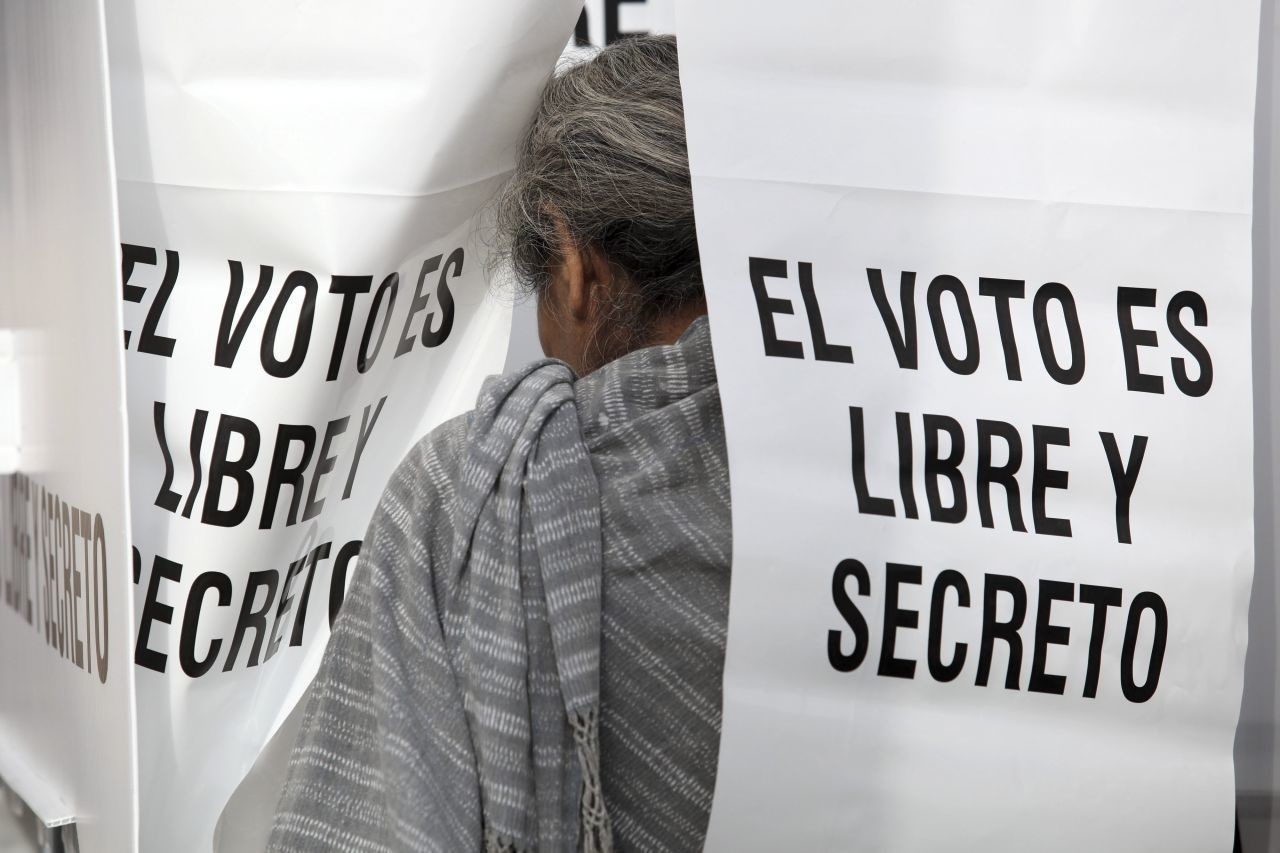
(1257, 746)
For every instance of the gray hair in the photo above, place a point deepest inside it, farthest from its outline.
(606, 155)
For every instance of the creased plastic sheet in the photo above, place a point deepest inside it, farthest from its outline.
(305, 297)
(979, 279)
(66, 629)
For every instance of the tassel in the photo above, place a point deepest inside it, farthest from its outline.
(595, 835)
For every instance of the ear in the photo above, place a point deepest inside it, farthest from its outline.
(581, 271)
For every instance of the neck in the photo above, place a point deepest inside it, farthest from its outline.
(670, 327)
(604, 348)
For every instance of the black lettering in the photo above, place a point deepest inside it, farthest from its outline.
(993, 629)
(896, 617)
(367, 424)
(767, 306)
(1124, 477)
(231, 331)
(150, 342)
(166, 498)
(222, 468)
(1199, 386)
(297, 280)
(1144, 601)
(944, 672)
(253, 617)
(611, 31)
(938, 467)
(286, 601)
(867, 503)
(840, 660)
(1128, 298)
(906, 471)
(1055, 292)
(1005, 475)
(282, 474)
(417, 305)
(338, 581)
(318, 553)
(194, 666)
(822, 350)
(387, 289)
(950, 284)
(1048, 634)
(324, 464)
(154, 610)
(435, 337)
(194, 448)
(1044, 478)
(131, 256)
(1002, 290)
(902, 336)
(1101, 597)
(348, 286)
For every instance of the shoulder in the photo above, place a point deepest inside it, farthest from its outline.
(426, 475)
(427, 472)
(410, 532)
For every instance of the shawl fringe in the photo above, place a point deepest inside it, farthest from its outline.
(595, 834)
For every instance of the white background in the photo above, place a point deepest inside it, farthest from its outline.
(1257, 746)
(1068, 143)
(1255, 754)
(61, 728)
(315, 139)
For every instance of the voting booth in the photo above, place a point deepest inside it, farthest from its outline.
(244, 271)
(989, 288)
(995, 562)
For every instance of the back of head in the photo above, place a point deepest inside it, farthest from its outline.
(605, 159)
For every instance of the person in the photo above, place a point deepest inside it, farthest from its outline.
(531, 651)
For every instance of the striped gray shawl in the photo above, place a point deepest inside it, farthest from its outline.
(536, 628)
